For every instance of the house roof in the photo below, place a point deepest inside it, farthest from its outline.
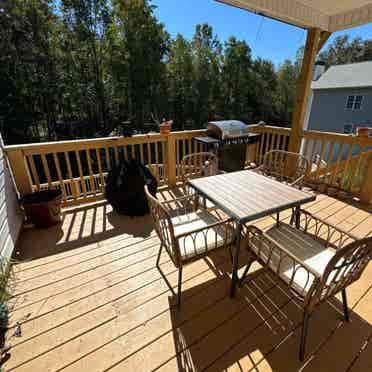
(328, 15)
(353, 75)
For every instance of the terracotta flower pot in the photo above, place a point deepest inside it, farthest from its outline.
(165, 127)
(43, 208)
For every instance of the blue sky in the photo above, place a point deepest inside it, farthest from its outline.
(267, 38)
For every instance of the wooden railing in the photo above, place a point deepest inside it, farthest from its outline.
(272, 138)
(337, 160)
(80, 168)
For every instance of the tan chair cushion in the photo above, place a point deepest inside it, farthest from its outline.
(203, 241)
(305, 248)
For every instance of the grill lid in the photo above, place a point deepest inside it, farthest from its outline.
(226, 129)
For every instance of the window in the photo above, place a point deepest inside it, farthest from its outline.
(354, 102)
(358, 102)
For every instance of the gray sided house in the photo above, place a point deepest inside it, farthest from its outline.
(341, 99)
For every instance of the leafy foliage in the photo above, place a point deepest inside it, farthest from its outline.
(83, 68)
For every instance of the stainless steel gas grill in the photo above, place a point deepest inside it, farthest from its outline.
(228, 139)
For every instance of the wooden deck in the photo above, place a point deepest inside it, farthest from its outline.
(89, 298)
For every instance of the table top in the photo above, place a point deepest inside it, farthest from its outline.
(247, 196)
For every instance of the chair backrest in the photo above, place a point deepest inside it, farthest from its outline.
(285, 166)
(346, 267)
(163, 226)
(199, 164)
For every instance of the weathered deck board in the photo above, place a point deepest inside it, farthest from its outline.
(89, 297)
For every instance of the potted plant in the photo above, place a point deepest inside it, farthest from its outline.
(165, 127)
(43, 208)
(5, 274)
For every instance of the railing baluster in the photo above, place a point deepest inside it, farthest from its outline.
(108, 160)
(355, 170)
(346, 172)
(34, 173)
(337, 165)
(177, 145)
(125, 152)
(157, 153)
(59, 174)
(321, 153)
(149, 158)
(46, 170)
(272, 142)
(74, 187)
(330, 157)
(164, 160)
(313, 153)
(81, 174)
(141, 152)
(99, 163)
(267, 143)
(116, 155)
(306, 146)
(90, 169)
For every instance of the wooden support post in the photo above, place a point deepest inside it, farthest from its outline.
(20, 171)
(171, 160)
(303, 90)
(366, 190)
(324, 36)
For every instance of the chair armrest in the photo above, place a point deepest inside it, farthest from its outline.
(321, 227)
(258, 169)
(180, 206)
(210, 226)
(166, 202)
(298, 181)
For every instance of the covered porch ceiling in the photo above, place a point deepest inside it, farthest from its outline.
(328, 15)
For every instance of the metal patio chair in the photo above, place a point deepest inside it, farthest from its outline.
(199, 164)
(196, 165)
(284, 166)
(316, 261)
(188, 232)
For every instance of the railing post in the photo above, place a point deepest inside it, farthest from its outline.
(171, 160)
(17, 161)
(304, 87)
(251, 153)
(366, 190)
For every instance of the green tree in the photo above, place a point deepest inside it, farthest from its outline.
(207, 51)
(237, 80)
(343, 50)
(87, 22)
(180, 81)
(144, 44)
(265, 85)
(28, 72)
(287, 89)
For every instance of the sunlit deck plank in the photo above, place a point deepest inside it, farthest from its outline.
(90, 298)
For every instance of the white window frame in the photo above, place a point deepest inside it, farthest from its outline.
(354, 102)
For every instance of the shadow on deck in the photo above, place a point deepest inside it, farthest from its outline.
(88, 297)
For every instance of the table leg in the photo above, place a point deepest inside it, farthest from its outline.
(234, 279)
(297, 217)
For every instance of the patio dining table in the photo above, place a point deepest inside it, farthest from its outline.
(246, 196)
